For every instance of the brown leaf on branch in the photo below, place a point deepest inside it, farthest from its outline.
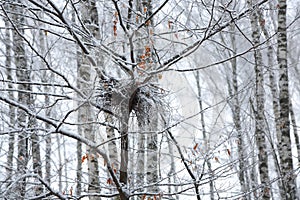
(115, 30)
(228, 152)
(147, 49)
(71, 191)
(170, 24)
(85, 157)
(109, 181)
(217, 159)
(195, 147)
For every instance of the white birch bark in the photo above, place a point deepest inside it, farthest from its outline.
(86, 113)
(204, 135)
(274, 92)
(12, 114)
(146, 111)
(60, 163)
(140, 155)
(151, 138)
(23, 75)
(260, 132)
(237, 118)
(36, 155)
(285, 148)
(112, 145)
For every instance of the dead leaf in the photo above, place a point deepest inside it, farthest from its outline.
(71, 191)
(228, 151)
(195, 147)
(109, 181)
(217, 159)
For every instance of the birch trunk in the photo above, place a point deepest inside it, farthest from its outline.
(260, 108)
(65, 166)
(43, 45)
(48, 140)
(147, 117)
(237, 121)
(60, 164)
(36, 153)
(274, 92)
(285, 148)
(295, 129)
(86, 113)
(141, 152)
(172, 172)
(151, 117)
(23, 75)
(205, 138)
(12, 114)
(146, 111)
(79, 143)
(151, 149)
(124, 141)
(36, 157)
(112, 145)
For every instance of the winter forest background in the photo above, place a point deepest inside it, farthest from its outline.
(149, 99)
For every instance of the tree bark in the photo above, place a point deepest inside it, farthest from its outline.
(260, 132)
(285, 148)
(23, 75)
(141, 152)
(204, 135)
(108, 85)
(60, 163)
(86, 113)
(275, 102)
(295, 129)
(12, 110)
(79, 143)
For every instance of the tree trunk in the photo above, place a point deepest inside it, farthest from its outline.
(124, 144)
(236, 116)
(260, 108)
(140, 155)
(151, 149)
(148, 108)
(36, 158)
(43, 45)
(295, 131)
(23, 75)
(60, 164)
(86, 113)
(12, 110)
(108, 86)
(79, 167)
(36, 154)
(204, 135)
(80, 132)
(172, 172)
(285, 147)
(274, 92)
